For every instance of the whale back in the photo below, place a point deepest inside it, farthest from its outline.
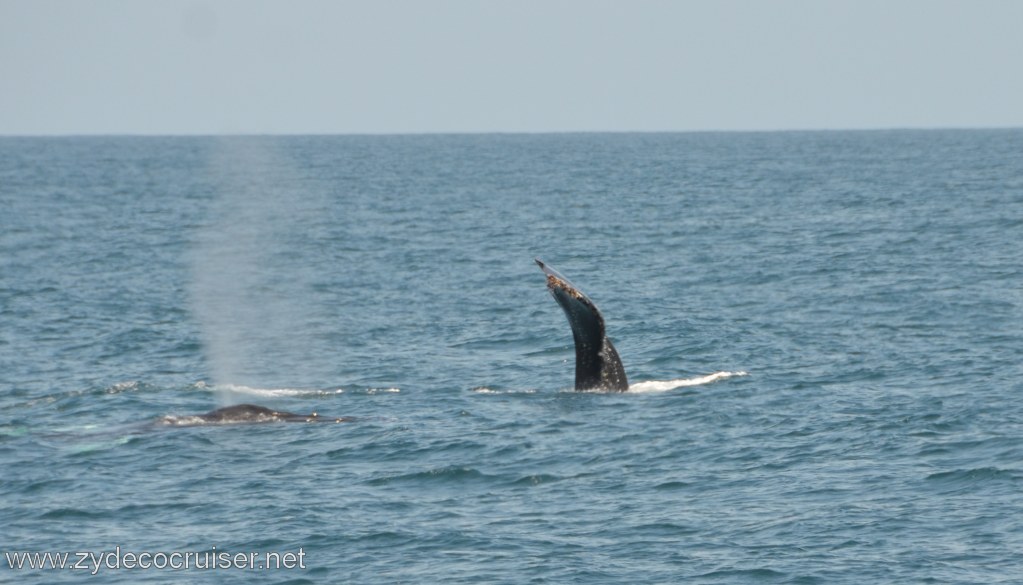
(597, 365)
(251, 413)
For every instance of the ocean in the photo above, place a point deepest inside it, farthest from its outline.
(822, 331)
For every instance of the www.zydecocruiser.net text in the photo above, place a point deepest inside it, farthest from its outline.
(95, 562)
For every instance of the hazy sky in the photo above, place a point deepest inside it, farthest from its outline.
(391, 66)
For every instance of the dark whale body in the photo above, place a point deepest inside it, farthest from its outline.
(250, 413)
(597, 365)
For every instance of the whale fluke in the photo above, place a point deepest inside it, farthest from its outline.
(597, 365)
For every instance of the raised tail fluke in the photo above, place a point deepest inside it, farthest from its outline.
(597, 365)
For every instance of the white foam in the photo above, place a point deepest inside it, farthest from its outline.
(183, 421)
(226, 389)
(127, 386)
(485, 390)
(665, 385)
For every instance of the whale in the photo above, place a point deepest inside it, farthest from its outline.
(250, 413)
(597, 365)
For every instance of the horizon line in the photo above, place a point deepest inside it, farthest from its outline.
(498, 132)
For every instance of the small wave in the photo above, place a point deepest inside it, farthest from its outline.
(537, 479)
(981, 474)
(453, 474)
(485, 390)
(118, 388)
(126, 386)
(743, 575)
(665, 385)
(72, 513)
(89, 447)
(12, 430)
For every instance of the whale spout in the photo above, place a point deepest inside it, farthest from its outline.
(597, 365)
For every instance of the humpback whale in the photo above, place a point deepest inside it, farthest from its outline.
(597, 365)
(250, 413)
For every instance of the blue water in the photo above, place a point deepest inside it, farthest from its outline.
(822, 331)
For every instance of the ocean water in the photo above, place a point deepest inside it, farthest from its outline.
(822, 330)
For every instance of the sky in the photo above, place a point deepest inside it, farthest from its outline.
(423, 66)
